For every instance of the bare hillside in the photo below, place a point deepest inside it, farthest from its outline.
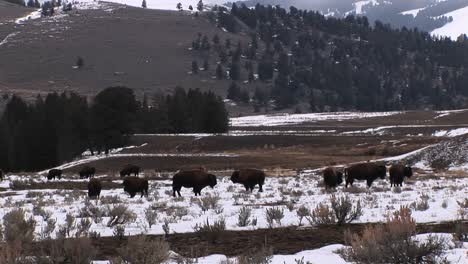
(143, 49)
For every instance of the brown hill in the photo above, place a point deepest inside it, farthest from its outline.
(144, 49)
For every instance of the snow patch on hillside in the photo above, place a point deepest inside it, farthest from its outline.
(455, 28)
(360, 4)
(413, 12)
(290, 119)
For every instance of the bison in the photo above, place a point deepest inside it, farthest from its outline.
(332, 177)
(87, 172)
(196, 179)
(94, 188)
(249, 178)
(398, 172)
(54, 173)
(133, 185)
(129, 170)
(365, 171)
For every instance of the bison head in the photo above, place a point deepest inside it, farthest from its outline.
(235, 177)
(382, 171)
(408, 171)
(213, 180)
(339, 177)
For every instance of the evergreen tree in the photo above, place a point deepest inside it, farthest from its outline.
(200, 6)
(234, 92)
(179, 6)
(190, 7)
(206, 65)
(234, 72)
(79, 62)
(143, 4)
(30, 3)
(219, 72)
(194, 67)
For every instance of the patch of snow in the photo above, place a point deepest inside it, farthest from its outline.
(413, 12)
(33, 15)
(448, 112)
(289, 119)
(5, 40)
(451, 133)
(455, 28)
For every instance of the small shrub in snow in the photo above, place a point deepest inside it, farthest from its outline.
(151, 216)
(119, 232)
(393, 243)
(38, 210)
(244, 216)
(79, 250)
(165, 227)
(254, 221)
(290, 206)
(355, 189)
(341, 211)
(212, 232)
(112, 199)
(144, 250)
(82, 229)
(444, 204)
(461, 233)
(17, 228)
(463, 203)
(208, 202)
(120, 215)
(302, 212)
(273, 215)
(69, 224)
(301, 261)
(422, 204)
(92, 211)
(257, 256)
(48, 229)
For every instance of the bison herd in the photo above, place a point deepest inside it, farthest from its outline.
(368, 172)
(199, 178)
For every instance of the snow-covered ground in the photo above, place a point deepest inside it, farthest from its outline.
(291, 119)
(457, 27)
(286, 193)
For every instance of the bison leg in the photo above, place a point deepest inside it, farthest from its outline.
(261, 189)
(132, 194)
(369, 183)
(174, 190)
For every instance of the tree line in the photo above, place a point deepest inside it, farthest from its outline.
(59, 127)
(339, 64)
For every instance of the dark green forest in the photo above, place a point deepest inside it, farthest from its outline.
(60, 127)
(336, 64)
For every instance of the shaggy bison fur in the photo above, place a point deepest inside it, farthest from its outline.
(129, 170)
(365, 171)
(87, 172)
(332, 177)
(133, 185)
(54, 173)
(249, 178)
(196, 179)
(94, 188)
(398, 172)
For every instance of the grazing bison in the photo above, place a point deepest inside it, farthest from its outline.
(249, 178)
(1, 175)
(87, 172)
(129, 170)
(332, 177)
(133, 185)
(365, 171)
(398, 173)
(54, 173)
(196, 179)
(94, 188)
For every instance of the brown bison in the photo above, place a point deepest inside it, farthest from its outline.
(196, 179)
(94, 188)
(133, 185)
(54, 173)
(249, 178)
(87, 172)
(365, 171)
(129, 170)
(398, 172)
(332, 177)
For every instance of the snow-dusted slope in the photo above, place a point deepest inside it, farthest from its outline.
(458, 26)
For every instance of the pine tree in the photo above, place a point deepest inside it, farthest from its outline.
(216, 39)
(234, 72)
(37, 4)
(219, 72)
(206, 65)
(79, 62)
(143, 4)
(179, 6)
(234, 92)
(194, 67)
(200, 6)
(30, 3)
(190, 7)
